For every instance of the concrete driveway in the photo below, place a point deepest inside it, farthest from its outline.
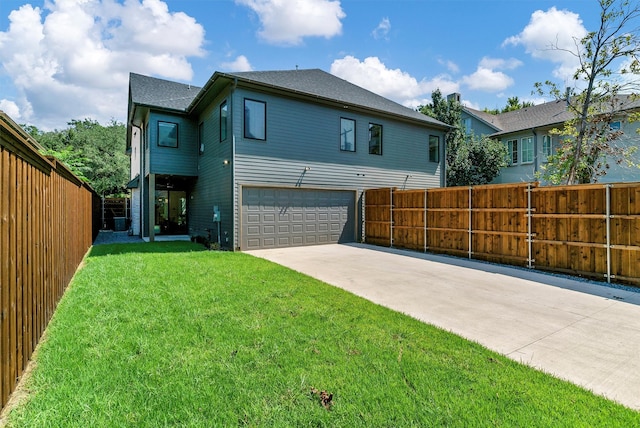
(586, 333)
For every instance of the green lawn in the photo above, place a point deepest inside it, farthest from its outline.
(165, 334)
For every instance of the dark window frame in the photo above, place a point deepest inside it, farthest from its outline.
(376, 149)
(201, 138)
(435, 159)
(160, 142)
(245, 129)
(224, 121)
(343, 142)
(512, 151)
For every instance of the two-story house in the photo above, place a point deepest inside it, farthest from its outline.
(270, 159)
(526, 133)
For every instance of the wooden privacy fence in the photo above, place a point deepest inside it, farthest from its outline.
(587, 230)
(46, 227)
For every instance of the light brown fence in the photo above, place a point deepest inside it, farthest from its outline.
(587, 230)
(46, 227)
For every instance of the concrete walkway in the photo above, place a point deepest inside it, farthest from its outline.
(583, 332)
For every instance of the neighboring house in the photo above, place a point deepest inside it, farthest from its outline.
(526, 133)
(270, 159)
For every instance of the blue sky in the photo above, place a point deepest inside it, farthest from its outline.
(70, 59)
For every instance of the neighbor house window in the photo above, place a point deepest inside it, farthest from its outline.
(255, 119)
(527, 150)
(167, 134)
(223, 121)
(466, 123)
(347, 135)
(512, 149)
(434, 148)
(375, 139)
(546, 146)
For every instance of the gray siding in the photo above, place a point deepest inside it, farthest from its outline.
(214, 184)
(303, 135)
(170, 160)
(478, 127)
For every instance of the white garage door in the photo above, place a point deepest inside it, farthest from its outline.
(275, 217)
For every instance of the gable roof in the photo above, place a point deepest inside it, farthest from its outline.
(154, 92)
(537, 116)
(320, 85)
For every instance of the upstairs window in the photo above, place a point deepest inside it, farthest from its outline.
(512, 152)
(347, 135)
(375, 139)
(201, 138)
(223, 121)
(255, 119)
(527, 150)
(167, 134)
(434, 148)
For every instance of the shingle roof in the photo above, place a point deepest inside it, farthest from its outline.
(320, 84)
(315, 83)
(151, 91)
(546, 114)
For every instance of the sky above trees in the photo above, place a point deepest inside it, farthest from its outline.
(70, 59)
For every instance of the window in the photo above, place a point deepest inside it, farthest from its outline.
(615, 126)
(223, 121)
(527, 150)
(255, 119)
(375, 139)
(347, 135)
(546, 146)
(512, 148)
(167, 134)
(201, 138)
(434, 148)
(466, 123)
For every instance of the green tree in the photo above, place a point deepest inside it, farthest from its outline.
(608, 66)
(514, 103)
(93, 152)
(469, 160)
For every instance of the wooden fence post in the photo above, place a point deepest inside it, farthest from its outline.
(529, 229)
(470, 222)
(426, 241)
(608, 229)
(391, 217)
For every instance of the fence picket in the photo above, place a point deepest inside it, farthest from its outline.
(566, 229)
(44, 211)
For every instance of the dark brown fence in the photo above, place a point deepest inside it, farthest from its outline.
(587, 230)
(46, 227)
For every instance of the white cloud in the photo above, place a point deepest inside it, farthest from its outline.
(450, 65)
(552, 36)
(487, 76)
(499, 63)
(11, 109)
(241, 63)
(382, 30)
(71, 59)
(394, 84)
(485, 79)
(283, 24)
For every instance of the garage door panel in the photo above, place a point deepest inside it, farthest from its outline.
(290, 217)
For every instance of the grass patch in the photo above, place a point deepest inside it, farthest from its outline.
(166, 335)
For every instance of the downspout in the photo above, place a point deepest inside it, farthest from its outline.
(443, 168)
(535, 153)
(236, 210)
